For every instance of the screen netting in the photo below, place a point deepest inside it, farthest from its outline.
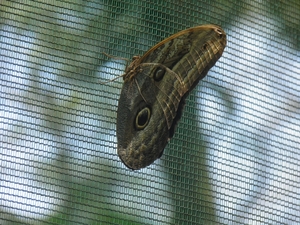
(234, 158)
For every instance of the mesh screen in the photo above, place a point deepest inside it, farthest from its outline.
(234, 158)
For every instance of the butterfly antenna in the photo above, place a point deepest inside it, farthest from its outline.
(115, 57)
(105, 82)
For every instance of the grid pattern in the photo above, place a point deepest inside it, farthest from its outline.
(234, 158)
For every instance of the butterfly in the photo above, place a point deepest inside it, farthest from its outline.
(155, 87)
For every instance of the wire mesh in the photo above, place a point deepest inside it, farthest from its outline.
(234, 158)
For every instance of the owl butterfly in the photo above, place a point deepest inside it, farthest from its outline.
(155, 87)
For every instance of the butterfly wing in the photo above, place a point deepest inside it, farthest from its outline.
(152, 97)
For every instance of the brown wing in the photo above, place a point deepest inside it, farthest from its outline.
(155, 87)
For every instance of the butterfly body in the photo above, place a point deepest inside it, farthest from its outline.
(155, 87)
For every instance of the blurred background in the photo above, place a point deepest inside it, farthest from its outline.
(234, 158)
